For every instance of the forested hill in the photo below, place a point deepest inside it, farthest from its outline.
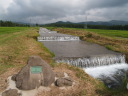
(108, 23)
(11, 24)
(113, 25)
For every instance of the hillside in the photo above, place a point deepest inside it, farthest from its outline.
(108, 23)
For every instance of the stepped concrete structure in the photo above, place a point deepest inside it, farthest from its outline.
(76, 52)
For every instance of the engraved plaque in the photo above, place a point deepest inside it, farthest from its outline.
(35, 69)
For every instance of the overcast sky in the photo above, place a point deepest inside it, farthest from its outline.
(47, 11)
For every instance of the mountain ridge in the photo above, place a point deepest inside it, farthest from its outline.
(108, 23)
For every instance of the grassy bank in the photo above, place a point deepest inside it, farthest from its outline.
(9, 30)
(109, 41)
(112, 33)
(17, 45)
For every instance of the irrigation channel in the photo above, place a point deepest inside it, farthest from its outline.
(95, 60)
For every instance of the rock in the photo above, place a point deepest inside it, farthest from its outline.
(64, 82)
(36, 73)
(59, 74)
(14, 77)
(11, 92)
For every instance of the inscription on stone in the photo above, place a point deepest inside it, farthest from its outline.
(35, 69)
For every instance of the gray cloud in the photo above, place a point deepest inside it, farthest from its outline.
(46, 11)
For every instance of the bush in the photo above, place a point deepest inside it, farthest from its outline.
(88, 35)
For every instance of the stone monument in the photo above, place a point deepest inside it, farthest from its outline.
(35, 74)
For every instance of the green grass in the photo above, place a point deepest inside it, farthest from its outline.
(17, 44)
(112, 33)
(50, 28)
(11, 45)
(8, 30)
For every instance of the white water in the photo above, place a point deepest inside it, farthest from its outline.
(48, 31)
(59, 38)
(93, 61)
(108, 70)
(45, 32)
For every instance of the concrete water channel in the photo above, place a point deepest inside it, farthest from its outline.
(88, 56)
(70, 49)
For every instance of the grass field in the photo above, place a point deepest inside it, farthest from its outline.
(8, 30)
(17, 44)
(111, 33)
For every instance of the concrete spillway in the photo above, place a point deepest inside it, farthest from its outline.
(93, 61)
(54, 36)
(69, 49)
(58, 38)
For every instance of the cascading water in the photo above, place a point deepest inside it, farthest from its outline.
(58, 38)
(43, 30)
(92, 61)
(47, 35)
(113, 76)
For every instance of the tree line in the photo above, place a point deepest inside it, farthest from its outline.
(75, 25)
(12, 24)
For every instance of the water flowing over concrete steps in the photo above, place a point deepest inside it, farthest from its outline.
(69, 49)
(46, 35)
(57, 38)
(86, 62)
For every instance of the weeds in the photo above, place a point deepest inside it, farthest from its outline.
(88, 35)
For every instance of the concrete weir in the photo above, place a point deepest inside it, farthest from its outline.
(57, 38)
(86, 62)
(69, 49)
(47, 35)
